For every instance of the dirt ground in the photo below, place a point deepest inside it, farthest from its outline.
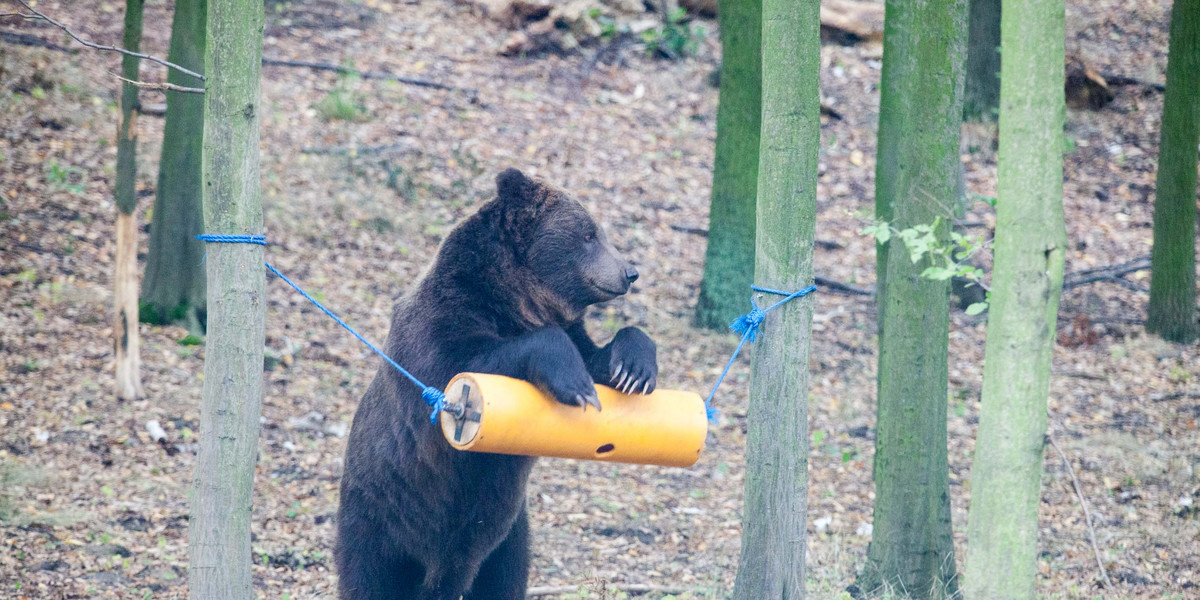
(354, 210)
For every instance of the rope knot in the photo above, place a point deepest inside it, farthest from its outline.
(435, 399)
(747, 324)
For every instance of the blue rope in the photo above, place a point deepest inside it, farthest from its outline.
(747, 325)
(431, 395)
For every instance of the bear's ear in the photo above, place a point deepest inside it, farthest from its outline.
(513, 185)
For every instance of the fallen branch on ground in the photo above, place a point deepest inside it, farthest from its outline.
(39, 16)
(629, 588)
(1111, 273)
(845, 288)
(1087, 515)
(324, 66)
(1123, 80)
(356, 150)
(24, 39)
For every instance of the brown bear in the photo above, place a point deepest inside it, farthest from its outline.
(505, 295)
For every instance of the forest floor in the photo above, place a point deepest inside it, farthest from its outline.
(355, 208)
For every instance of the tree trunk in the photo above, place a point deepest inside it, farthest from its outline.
(174, 289)
(912, 550)
(776, 503)
(125, 283)
(219, 528)
(1027, 277)
(1173, 260)
(729, 259)
(982, 92)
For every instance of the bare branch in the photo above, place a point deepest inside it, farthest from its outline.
(324, 66)
(1087, 515)
(160, 86)
(165, 63)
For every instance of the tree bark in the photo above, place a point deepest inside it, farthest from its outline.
(729, 258)
(920, 116)
(125, 283)
(981, 97)
(219, 528)
(1027, 279)
(1172, 312)
(776, 501)
(174, 288)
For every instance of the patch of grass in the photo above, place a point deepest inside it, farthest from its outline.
(676, 39)
(64, 177)
(343, 103)
(190, 340)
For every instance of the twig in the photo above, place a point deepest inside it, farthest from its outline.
(692, 229)
(148, 57)
(160, 86)
(631, 588)
(324, 66)
(838, 286)
(1087, 515)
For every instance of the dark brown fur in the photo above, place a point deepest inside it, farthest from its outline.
(505, 295)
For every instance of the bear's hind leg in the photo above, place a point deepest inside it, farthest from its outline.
(369, 576)
(505, 573)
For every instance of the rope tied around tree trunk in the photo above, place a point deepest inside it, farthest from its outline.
(431, 395)
(748, 325)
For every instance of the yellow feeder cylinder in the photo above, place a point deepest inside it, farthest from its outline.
(502, 415)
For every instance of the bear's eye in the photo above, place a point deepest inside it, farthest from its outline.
(591, 237)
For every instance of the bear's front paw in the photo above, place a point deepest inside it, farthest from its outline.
(572, 386)
(633, 363)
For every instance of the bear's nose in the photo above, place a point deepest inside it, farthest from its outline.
(631, 274)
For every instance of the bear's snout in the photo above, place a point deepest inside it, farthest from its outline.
(631, 274)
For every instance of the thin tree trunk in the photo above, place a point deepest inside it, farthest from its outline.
(981, 97)
(174, 287)
(1027, 279)
(1172, 311)
(729, 258)
(776, 502)
(912, 549)
(219, 528)
(125, 282)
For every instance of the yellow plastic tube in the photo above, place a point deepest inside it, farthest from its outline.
(501, 415)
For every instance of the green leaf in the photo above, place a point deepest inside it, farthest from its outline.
(977, 308)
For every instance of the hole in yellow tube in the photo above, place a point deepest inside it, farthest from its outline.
(605, 449)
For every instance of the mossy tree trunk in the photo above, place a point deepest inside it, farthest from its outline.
(981, 97)
(729, 258)
(1172, 311)
(920, 117)
(222, 492)
(174, 289)
(1027, 277)
(125, 272)
(776, 501)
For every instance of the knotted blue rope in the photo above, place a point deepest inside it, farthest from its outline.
(747, 325)
(431, 395)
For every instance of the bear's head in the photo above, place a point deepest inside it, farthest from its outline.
(559, 244)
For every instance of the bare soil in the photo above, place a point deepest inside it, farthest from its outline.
(355, 208)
